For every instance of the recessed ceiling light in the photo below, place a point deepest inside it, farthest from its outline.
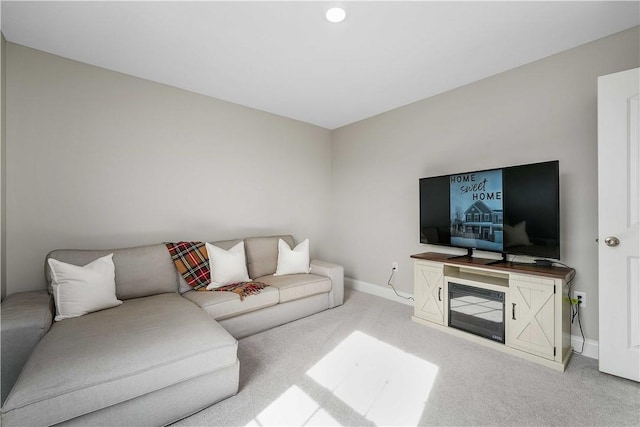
(336, 14)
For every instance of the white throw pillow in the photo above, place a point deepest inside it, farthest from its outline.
(81, 290)
(227, 267)
(292, 261)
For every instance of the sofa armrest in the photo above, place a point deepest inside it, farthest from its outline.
(26, 317)
(336, 273)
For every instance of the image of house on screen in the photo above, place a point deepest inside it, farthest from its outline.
(480, 222)
(477, 210)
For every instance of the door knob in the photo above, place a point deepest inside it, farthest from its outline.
(612, 241)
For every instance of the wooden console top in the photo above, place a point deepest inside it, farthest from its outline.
(554, 272)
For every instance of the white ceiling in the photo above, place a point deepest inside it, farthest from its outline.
(285, 58)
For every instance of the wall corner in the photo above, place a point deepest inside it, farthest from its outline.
(3, 169)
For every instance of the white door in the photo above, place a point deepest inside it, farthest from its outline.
(618, 219)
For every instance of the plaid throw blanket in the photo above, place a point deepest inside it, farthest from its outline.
(192, 261)
(243, 288)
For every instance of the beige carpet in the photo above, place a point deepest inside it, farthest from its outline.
(365, 363)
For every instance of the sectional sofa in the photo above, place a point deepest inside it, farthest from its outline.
(166, 352)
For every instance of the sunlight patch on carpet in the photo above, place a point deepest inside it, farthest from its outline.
(294, 408)
(379, 381)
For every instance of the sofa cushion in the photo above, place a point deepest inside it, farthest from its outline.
(262, 254)
(107, 357)
(296, 286)
(222, 305)
(140, 271)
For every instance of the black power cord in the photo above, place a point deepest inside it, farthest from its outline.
(393, 270)
(580, 324)
(574, 309)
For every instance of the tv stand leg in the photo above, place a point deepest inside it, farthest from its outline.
(469, 254)
(500, 261)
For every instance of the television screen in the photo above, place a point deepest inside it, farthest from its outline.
(511, 210)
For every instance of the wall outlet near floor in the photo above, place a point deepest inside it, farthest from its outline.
(394, 266)
(582, 296)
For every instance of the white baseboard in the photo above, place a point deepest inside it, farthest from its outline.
(384, 292)
(590, 346)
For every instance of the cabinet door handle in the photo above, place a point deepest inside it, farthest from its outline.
(513, 311)
(439, 294)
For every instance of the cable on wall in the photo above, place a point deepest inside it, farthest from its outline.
(393, 270)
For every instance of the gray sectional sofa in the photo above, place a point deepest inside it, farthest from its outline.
(163, 354)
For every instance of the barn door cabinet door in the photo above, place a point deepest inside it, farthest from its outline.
(429, 291)
(530, 316)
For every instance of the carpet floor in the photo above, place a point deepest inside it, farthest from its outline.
(366, 363)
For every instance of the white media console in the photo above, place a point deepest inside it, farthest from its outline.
(519, 309)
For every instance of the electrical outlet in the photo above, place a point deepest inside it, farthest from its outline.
(582, 296)
(394, 266)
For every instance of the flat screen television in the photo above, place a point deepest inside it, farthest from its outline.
(512, 210)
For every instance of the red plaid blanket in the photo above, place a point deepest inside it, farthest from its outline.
(192, 261)
(243, 288)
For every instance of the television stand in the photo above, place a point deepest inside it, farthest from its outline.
(533, 311)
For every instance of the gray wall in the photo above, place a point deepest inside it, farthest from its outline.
(99, 159)
(545, 110)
